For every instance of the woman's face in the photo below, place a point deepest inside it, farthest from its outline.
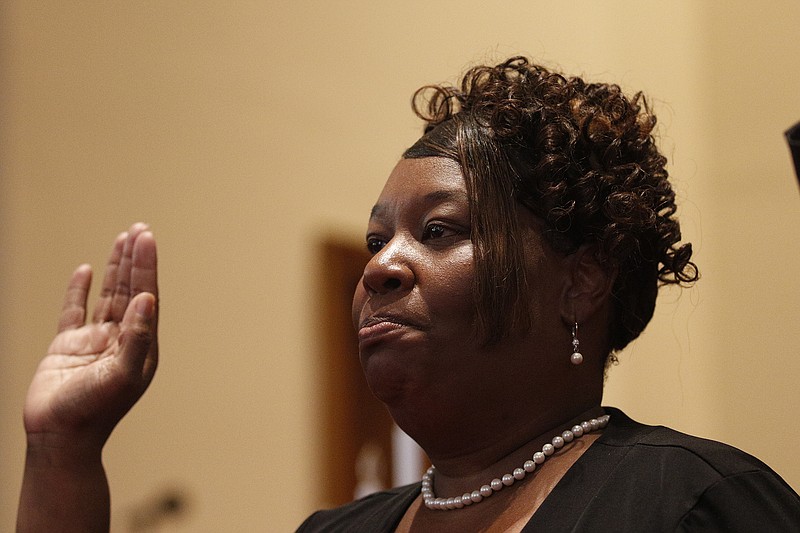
(416, 291)
(414, 309)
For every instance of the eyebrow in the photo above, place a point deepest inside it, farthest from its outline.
(434, 197)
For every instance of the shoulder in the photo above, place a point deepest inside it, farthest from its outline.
(690, 482)
(704, 457)
(377, 512)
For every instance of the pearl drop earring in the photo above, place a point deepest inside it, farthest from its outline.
(576, 358)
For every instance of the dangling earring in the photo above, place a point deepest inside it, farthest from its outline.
(576, 358)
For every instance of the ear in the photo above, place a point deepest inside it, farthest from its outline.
(588, 286)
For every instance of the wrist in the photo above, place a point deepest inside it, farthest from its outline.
(48, 450)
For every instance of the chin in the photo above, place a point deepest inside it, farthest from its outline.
(388, 377)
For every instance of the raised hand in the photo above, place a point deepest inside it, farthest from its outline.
(92, 375)
(94, 372)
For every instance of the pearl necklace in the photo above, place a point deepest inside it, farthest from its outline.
(476, 496)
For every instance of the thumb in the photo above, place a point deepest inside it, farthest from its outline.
(137, 332)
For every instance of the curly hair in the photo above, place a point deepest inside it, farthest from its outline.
(581, 156)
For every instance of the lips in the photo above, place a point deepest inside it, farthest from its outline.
(376, 328)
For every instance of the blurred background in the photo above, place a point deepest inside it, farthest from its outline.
(249, 133)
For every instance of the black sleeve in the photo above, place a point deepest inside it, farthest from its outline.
(745, 502)
(793, 138)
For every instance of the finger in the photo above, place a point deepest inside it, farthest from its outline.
(144, 265)
(102, 309)
(73, 312)
(138, 344)
(144, 279)
(122, 288)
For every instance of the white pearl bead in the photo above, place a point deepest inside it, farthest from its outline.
(538, 458)
(577, 430)
(595, 424)
(486, 491)
(558, 442)
(587, 427)
(507, 480)
(576, 358)
(476, 496)
(548, 449)
(496, 484)
(466, 498)
(567, 436)
(518, 473)
(529, 466)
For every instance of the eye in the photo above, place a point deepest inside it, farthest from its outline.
(375, 244)
(435, 230)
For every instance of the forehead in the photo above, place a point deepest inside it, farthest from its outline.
(424, 180)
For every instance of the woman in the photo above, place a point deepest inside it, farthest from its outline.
(516, 247)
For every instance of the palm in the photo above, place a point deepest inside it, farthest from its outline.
(70, 384)
(94, 372)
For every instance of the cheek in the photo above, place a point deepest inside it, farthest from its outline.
(359, 298)
(454, 282)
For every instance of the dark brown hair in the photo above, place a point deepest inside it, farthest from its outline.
(580, 156)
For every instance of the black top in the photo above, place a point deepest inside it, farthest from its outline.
(633, 478)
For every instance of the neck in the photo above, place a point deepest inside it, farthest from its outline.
(465, 427)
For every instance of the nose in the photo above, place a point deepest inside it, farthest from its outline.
(390, 269)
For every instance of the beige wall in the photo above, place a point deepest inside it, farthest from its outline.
(245, 131)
